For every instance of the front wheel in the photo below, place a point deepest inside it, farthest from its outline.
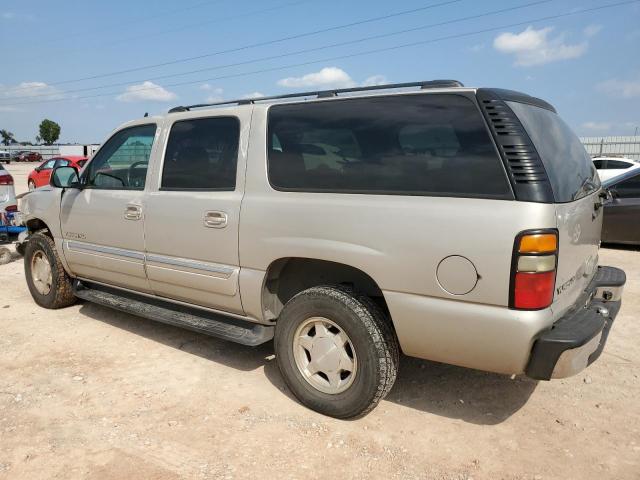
(49, 284)
(336, 350)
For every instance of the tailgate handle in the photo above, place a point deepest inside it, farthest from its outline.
(214, 219)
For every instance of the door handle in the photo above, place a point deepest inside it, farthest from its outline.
(133, 212)
(215, 219)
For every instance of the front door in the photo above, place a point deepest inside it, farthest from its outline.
(622, 214)
(192, 214)
(102, 224)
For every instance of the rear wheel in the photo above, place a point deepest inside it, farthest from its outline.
(49, 284)
(336, 350)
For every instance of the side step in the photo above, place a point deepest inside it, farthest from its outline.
(209, 323)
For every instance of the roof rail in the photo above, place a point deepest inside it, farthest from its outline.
(327, 93)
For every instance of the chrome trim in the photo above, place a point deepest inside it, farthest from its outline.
(195, 265)
(177, 302)
(74, 246)
(575, 360)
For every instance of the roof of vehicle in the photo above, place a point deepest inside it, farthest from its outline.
(72, 158)
(631, 172)
(439, 85)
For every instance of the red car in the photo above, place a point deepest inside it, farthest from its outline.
(41, 174)
(26, 156)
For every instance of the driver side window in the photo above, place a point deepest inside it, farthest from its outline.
(121, 164)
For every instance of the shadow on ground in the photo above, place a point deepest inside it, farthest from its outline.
(445, 390)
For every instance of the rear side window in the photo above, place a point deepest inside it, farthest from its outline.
(401, 145)
(202, 154)
(617, 164)
(570, 169)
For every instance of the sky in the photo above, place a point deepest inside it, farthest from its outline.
(92, 65)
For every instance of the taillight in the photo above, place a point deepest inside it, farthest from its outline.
(6, 179)
(533, 275)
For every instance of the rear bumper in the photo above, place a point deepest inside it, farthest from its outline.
(578, 338)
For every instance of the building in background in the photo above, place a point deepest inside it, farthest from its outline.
(626, 146)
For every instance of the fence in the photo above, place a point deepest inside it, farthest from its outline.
(627, 146)
(49, 151)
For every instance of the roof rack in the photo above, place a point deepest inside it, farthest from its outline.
(327, 93)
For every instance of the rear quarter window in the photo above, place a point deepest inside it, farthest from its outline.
(429, 144)
(571, 171)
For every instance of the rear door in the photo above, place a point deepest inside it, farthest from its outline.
(192, 216)
(102, 224)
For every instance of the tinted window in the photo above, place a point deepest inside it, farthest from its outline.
(122, 162)
(571, 172)
(409, 144)
(202, 154)
(600, 164)
(48, 164)
(618, 164)
(629, 188)
(81, 163)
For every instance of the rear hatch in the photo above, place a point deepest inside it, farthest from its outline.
(576, 190)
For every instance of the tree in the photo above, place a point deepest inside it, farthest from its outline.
(49, 131)
(7, 137)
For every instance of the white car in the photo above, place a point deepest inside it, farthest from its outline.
(7, 193)
(609, 167)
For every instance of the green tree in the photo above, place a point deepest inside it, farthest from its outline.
(7, 137)
(49, 131)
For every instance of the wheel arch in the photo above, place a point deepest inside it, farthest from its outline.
(288, 276)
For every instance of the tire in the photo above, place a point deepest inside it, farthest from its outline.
(60, 292)
(372, 346)
(31, 185)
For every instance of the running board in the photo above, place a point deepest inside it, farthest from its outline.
(209, 323)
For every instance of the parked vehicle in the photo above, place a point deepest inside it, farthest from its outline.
(5, 156)
(26, 156)
(609, 167)
(622, 213)
(8, 201)
(40, 175)
(454, 224)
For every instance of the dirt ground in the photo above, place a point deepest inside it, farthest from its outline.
(90, 393)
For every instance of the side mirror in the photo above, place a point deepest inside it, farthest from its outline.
(65, 177)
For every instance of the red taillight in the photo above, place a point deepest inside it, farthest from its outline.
(6, 179)
(533, 278)
(533, 291)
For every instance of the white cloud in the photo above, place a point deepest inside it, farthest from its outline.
(596, 126)
(146, 91)
(254, 95)
(30, 89)
(533, 47)
(620, 88)
(328, 77)
(592, 30)
(375, 80)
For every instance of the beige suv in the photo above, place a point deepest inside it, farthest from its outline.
(455, 224)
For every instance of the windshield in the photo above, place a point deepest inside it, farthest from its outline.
(570, 169)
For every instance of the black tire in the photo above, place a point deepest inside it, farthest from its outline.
(374, 342)
(60, 294)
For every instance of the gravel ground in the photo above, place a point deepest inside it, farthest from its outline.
(87, 392)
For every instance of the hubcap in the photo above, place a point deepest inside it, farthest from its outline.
(324, 355)
(41, 272)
